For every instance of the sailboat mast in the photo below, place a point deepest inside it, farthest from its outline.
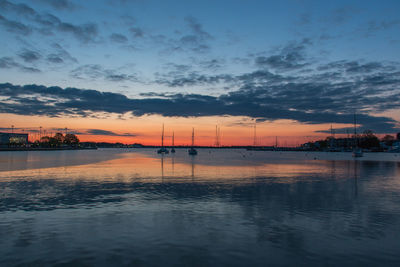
(162, 136)
(192, 137)
(355, 130)
(355, 125)
(173, 135)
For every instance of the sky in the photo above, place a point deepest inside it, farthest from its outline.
(116, 70)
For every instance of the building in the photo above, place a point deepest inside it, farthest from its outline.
(18, 139)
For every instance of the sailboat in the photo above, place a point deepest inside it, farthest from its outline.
(192, 151)
(357, 152)
(162, 150)
(173, 143)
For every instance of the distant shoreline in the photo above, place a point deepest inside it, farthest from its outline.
(45, 148)
(279, 149)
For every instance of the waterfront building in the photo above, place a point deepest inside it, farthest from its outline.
(19, 139)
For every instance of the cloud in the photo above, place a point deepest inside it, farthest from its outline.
(60, 55)
(15, 26)
(136, 32)
(118, 38)
(47, 24)
(193, 39)
(59, 4)
(85, 32)
(9, 63)
(29, 55)
(197, 28)
(20, 9)
(94, 71)
(192, 79)
(306, 103)
(212, 64)
(373, 26)
(355, 67)
(108, 133)
(304, 19)
(341, 15)
(53, 58)
(290, 57)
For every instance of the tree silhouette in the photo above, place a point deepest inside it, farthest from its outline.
(71, 139)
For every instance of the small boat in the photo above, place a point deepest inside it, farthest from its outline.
(192, 151)
(173, 143)
(162, 150)
(357, 153)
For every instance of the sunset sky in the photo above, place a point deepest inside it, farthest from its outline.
(117, 70)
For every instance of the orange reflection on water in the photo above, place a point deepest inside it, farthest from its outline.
(209, 166)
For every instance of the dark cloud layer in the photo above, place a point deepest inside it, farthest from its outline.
(285, 102)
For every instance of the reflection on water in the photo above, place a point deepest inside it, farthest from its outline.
(221, 207)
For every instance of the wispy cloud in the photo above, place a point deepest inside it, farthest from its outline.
(9, 63)
(59, 4)
(108, 133)
(15, 26)
(29, 55)
(45, 24)
(118, 38)
(95, 71)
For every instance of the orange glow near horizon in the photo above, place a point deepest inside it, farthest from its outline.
(147, 129)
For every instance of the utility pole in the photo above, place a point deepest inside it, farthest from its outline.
(12, 128)
(40, 133)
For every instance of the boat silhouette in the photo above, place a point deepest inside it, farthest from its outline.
(192, 151)
(162, 150)
(173, 143)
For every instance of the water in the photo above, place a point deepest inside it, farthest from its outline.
(132, 207)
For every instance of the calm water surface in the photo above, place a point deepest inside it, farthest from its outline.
(222, 207)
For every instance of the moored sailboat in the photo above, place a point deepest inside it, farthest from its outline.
(192, 151)
(173, 143)
(357, 152)
(162, 150)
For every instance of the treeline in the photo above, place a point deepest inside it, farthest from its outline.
(367, 140)
(58, 140)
